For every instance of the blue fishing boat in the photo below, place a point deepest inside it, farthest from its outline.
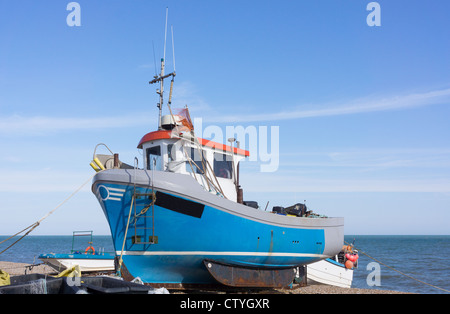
(88, 259)
(179, 218)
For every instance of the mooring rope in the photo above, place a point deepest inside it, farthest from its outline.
(402, 273)
(125, 236)
(37, 223)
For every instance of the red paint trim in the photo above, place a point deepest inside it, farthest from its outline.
(222, 147)
(156, 135)
(163, 134)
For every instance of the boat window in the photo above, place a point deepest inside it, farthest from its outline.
(154, 158)
(170, 153)
(223, 167)
(196, 156)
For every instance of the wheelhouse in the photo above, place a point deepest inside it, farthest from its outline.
(215, 166)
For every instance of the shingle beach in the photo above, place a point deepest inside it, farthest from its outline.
(15, 269)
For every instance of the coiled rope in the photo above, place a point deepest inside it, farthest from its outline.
(402, 273)
(33, 226)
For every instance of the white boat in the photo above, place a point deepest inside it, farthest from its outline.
(336, 271)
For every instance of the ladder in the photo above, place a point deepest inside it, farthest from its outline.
(144, 218)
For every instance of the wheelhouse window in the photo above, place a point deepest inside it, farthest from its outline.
(196, 161)
(154, 158)
(223, 166)
(170, 153)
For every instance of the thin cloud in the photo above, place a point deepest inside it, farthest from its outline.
(41, 125)
(255, 184)
(185, 93)
(43, 181)
(355, 107)
(371, 159)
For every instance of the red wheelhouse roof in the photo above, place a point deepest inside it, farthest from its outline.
(164, 134)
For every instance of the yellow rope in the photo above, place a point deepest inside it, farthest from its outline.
(125, 236)
(378, 261)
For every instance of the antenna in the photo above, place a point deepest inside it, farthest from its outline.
(174, 72)
(173, 49)
(154, 57)
(160, 78)
(165, 33)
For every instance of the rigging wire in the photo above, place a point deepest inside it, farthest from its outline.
(37, 223)
(402, 273)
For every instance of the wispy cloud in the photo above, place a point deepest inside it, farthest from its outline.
(354, 107)
(371, 159)
(290, 183)
(40, 125)
(356, 170)
(185, 94)
(43, 180)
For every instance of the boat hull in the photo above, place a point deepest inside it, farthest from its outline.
(329, 272)
(189, 225)
(86, 262)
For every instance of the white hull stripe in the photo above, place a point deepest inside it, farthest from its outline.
(185, 253)
(113, 194)
(116, 190)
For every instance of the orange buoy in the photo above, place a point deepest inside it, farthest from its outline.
(349, 264)
(90, 249)
(352, 257)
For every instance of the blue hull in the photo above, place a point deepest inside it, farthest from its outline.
(105, 256)
(189, 231)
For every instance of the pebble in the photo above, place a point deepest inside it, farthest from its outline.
(15, 269)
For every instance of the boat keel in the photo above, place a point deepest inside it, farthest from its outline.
(241, 276)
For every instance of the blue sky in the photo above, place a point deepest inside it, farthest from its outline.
(362, 111)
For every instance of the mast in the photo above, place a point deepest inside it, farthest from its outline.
(160, 78)
(161, 94)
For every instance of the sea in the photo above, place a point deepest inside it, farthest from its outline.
(408, 263)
